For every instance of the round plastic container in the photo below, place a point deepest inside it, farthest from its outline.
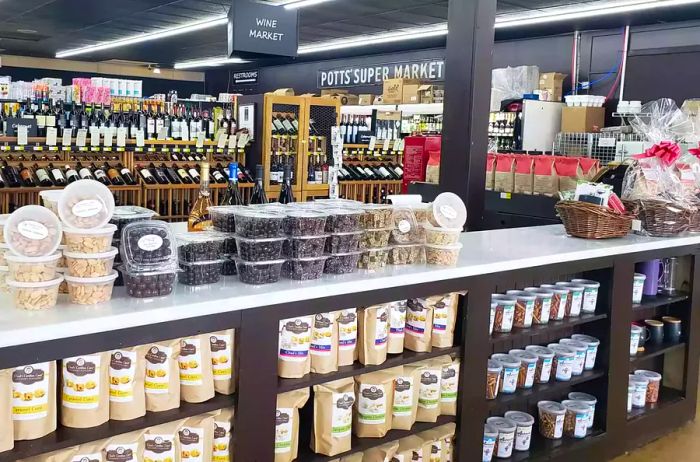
(639, 384)
(543, 304)
(635, 334)
(373, 259)
(125, 214)
(343, 220)
(441, 236)
(490, 437)
(90, 291)
(304, 269)
(551, 416)
(342, 263)
(34, 296)
(493, 378)
(409, 254)
(590, 400)
(375, 238)
(264, 249)
(405, 227)
(590, 294)
(559, 301)
(258, 224)
(510, 372)
(376, 216)
(421, 211)
(147, 284)
(442, 255)
(4, 288)
(638, 287)
(343, 242)
(563, 362)
(89, 265)
(96, 240)
(86, 204)
(505, 312)
(199, 273)
(545, 357)
(575, 300)
(304, 246)
(523, 432)
(63, 287)
(592, 352)
(523, 308)
(506, 435)
(49, 199)
(528, 365)
(449, 211)
(4, 249)
(33, 231)
(200, 246)
(260, 272)
(149, 246)
(492, 317)
(652, 394)
(3, 220)
(630, 394)
(222, 217)
(304, 223)
(576, 418)
(580, 359)
(32, 269)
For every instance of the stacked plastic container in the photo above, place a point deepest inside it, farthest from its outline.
(200, 257)
(378, 223)
(150, 258)
(259, 241)
(224, 223)
(122, 216)
(305, 242)
(344, 229)
(442, 231)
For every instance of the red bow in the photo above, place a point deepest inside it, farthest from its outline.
(666, 151)
(695, 152)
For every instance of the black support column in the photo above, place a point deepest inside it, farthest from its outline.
(467, 98)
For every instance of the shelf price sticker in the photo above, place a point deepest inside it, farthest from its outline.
(94, 136)
(4, 147)
(151, 149)
(387, 144)
(243, 140)
(221, 143)
(19, 148)
(109, 136)
(51, 135)
(200, 140)
(372, 142)
(397, 145)
(232, 141)
(66, 140)
(53, 148)
(139, 138)
(22, 131)
(81, 137)
(505, 195)
(38, 148)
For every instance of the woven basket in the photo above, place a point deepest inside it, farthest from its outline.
(664, 219)
(694, 226)
(632, 207)
(590, 221)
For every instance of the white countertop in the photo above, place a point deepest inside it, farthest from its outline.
(483, 253)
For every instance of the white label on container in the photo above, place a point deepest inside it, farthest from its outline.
(637, 290)
(591, 416)
(150, 242)
(530, 375)
(630, 396)
(505, 444)
(546, 308)
(159, 447)
(381, 334)
(489, 445)
(448, 211)
(87, 208)
(564, 368)
(579, 362)
(283, 430)
(30, 392)
(404, 226)
(295, 339)
(546, 370)
(590, 296)
(634, 343)
(403, 396)
(322, 335)
(371, 404)
(581, 425)
(639, 397)
(192, 443)
(342, 414)
(562, 306)
(559, 426)
(522, 438)
(122, 369)
(33, 230)
(510, 379)
(121, 452)
(529, 310)
(576, 302)
(347, 329)
(507, 321)
(591, 353)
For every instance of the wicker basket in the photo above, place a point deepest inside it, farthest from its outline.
(590, 221)
(663, 218)
(632, 207)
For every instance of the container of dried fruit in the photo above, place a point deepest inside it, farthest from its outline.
(563, 362)
(543, 304)
(409, 254)
(590, 294)
(509, 375)
(198, 273)
(95, 240)
(523, 434)
(304, 269)
(63, 287)
(201, 246)
(551, 416)
(377, 216)
(263, 249)
(590, 400)
(4, 248)
(256, 224)
(560, 299)
(442, 255)
(528, 367)
(86, 204)
(375, 238)
(32, 269)
(342, 263)
(421, 211)
(406, 229)
(259, 272)
(90, 291)
(545, 357)
(489, 444)
(580, 359)
(222, 217)
(33, 231)
(49, 199)
(576, 418)
(304, 223)
(493, 378)
(505, 312)
(34, 295)
(3, 220)
(654, 378)
(4, 288)
(304, 246)
(506, 435)
(524, 308)
(343, 242)
(373, 259)
(90, 265)
(441, 236)
(343, 220)
(592, 343)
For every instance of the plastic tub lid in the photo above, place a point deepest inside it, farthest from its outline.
(640, 276)
(449, 210)
(649, 375)
(98, 280)
(249, 212)
(199, 237)
(504, 299)
(51, 194)
(405, 200)
(34, 285)
(542, 352)
(345, 211)
(522, 294)
(306, 213)
(551, 407)
(586, 283)
(91, 195)
(539, 292)
(201, 263)
(573, 344)
(22, 259)
(455, 246)
(302, 238)
(576, 406)
(523, 355)
(427, 225)
(490, 430)
(638, 379)
(132, 212)
(261, 239)
(377, 207)
(584, 397)
(322, 257)
(110, 253)
(561, 290)
(587, 339)
(225, 209)
(494, 366)
(109, 228)
(522, 419)
(561, 350)
(345, 254)
(502, 424)
(506, 360)
(31, 221)
(571, 286)
(255, 263)
(158, 235)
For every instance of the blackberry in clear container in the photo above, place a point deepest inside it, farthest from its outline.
(304, 223)
(343, 220)
(228, 268)
(342, 263)
(304, 246)
(144, 285)
(261, 272)
(256, 223)
(259, 249)
(304, 269)
(202, 246)
(223, 219)
(343, 242)
(200, 273)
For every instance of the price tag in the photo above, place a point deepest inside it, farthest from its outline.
(81, 137)
(66, 141)
(138, 149)
(120, 149)
(176, 149)
(165, 150)
(94, 148)
(82, 149)
(372, 143)
(185, 132)
(53, 148)
(198, 150)
(151, 149)
(19, 148)
(107, 149)
(4, 148)
(109, 136)
(94, 136)
(387, 144)
(397, 144)
(505, 195)
(221, 143)
(200, 140)
(38, 148)
(22, 134)
(607, 142)
(139, 138)
(243, 140)
(185, 150)
(51, 135)
(232, 141)
(121, 136)
(402, 142)
(163, 133)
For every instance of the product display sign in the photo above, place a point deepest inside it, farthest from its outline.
(14, 122)
(430, 70)
(245, 77)
(259, 28)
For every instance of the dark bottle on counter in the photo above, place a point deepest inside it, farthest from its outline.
(232, 196)
(258, 196)
(286, 195)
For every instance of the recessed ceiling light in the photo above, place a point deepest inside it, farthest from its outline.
(26, 31)
(294, 4)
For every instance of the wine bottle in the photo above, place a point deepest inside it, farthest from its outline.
(232, 196)
(147, 176)
(26, 175)
(158, 174)
(113, 174)
(194, 173)
(71, 174)
(199, 218)
(258, 196)
(42, 175)
(126, 174)
(185, 177)
(218, 176)
(286, 195)
(100, 175)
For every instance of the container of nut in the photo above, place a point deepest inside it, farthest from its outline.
(149, 253)
(443, 230)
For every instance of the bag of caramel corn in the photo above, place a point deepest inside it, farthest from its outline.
(85, 390)
(34, 400)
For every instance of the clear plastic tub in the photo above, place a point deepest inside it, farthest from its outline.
(551, 417)
(149, 284)
(342, 263)
(304, 246)
(575, 300)
(63, 287)
(228, 268)
(4, 288)
(639, 385)
(524, 308)
(441, 236)
(200, 272)
(449, 211)
(61, 261)
(638, 287)
(90, 265)
(32, 269)
(590, 294)
(149, 246)
(590, 400)
(592, 352)
(493, 378)
(509, 375)
(442, 255)
(654, 378)
(49, 199)
(405, 227)
(33, 231)
(576, 418)
(3, 220)
(545, 357)
(96, 240)
(528, 367)
(506, 435)
(409, 254)
(580, 359)
(125, 214)
(34, 296)
(543, 304)
(563, 363)
(90, 291)
(560, 299)
(258, 224)
(264, 249)
(201, 246)
(229, 244)
(304, 223)
(373, 259)
(304, 269)
(343, 220)
(630, 394)
(4, 249)
(492, 317)
(261, 272)
(375, 238)
(377, 216)
(222, 217)
(490, 437)
(523, 434)
(505, 312)
(343, 242)
(86, 204)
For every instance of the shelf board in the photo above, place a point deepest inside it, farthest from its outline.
(349, 371)
(655, 301)
(544, 449)
(363, 444)
(65, 437)
(667, 397)
(651, 351)
(520, 334)
(523, 396)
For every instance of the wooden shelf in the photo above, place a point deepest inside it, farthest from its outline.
(536, 329)
(651, 351)
(406, 357)
(667, 397)
(651, 301)
(166, 187)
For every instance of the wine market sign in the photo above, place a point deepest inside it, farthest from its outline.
(429, 70)
(262, 29)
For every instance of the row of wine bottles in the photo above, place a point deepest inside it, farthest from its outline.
(174, 174)
(56, 175)
(378, 172)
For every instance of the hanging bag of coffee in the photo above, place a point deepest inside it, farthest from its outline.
(406, 396)
(85, 390)
(333, 404)
(162, 376)
(374, 334)
(196, 375)
(324, 344)
(287, 424)
(374, 394)
(7, 441)
(419, 325)
(347, 336)
(222, 361)
(127, 372)
(223, 424)
(397, 325)
(293, 360)
(444, 318)
(34, 400)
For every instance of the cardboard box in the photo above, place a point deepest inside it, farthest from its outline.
(411, 93)
(345, 99)
(284, 92)
(430, 94)
(553, 82)
(582, 119)
(365, 100)
(393, 90)
(333, 91)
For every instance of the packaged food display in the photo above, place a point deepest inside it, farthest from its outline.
(257, 224)
(372, 259)
(3, 220)
(563, 362)
(405, 227)
(260, 272)
(654, 378)
(441, 236)
(638, 384)
(551, 416)
(560, 300)
(543, 304)
(638, 287)
(504, 313)
(222, 217)
(375, 238)
(304, 246)
(90, 290)
(34, 295)
(229, 246)
(4, 288)
(200, 272)
(343, 220)
(86, 204)
(580, 349)
(506, 436)
(33, 231)
(144, 284)
(61, 261)
(342, 263)
(200, 246)
(89, 265)
(528, 366)
(523, 432)
(228, 267)
(576, 419)
(524, 307)
(590, 294)
(377, 216)
(125, 214)
(590, 400)
(294, 343)
(148, 245)
(575, 300)
(304, 223)
(63, 287)
(510, 372)
(49, 199)
(304, 269)
(409, 254)
(263, 249)
(490, 437)
(94, 240)
(32, 269)
(4, 248)
(442, 255)
(449, 211)
(545, 357)
(493, 378)
(343, 242)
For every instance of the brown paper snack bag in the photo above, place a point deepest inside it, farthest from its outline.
(333, 405)
(162, 381)
(287, 424)
(429, 389)
(449, 386)
(85, 452)
(324, 344)
(34, 400)
(222, 346)
(127, 372)
(85, 390)
(124, 448)
(223, 425)
(522, 182)
(490, 167)
(374, 395)
(405, 407)
(161, 443)
(196, 438)
(382, 453)
(397, 326)
(293, 360)
(196, 375)
(374, 334)
(503, 174)
(439, 440)
(545, 180)
(7, 441)
(410, 448)
(444, 318)
(347, 336)
(419, 325)
(569, 171)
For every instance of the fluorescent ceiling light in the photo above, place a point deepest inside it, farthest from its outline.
(294, 4)
(163, 33)
(208, 62)
(370, 39)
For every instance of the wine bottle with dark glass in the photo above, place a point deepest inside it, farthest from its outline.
(126, 174)
(232, 196)
(258, 196)
(43, 176)
(286, 195)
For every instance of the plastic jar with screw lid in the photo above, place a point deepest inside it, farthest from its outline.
(509, 374)
(545, 357)
(580, 349)
(505, 312)
(523, 432)
(506, 435)
(490, 437)
(551, 415)
(560, 300)
(652, 394)
(524, 308)
(528, 366)
(588, 399)
(575, 301)
(493, 378)
(592, 352)
(590, 294)
(563, 362)
(576, 418)
(543, 304)
(639, 390)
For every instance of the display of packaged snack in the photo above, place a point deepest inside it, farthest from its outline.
(576, 418)
(510, 372)
(523, 433)
(258, 224)
(86, 204)
(343, 242)
(304, 269)
(504, 312)
(441, 236)
(543, 304)
(49, 199)
(409, 254)
(263, 249)
(377, 216)
(528, 367)
(32, 269)
(442, 255)
(144, 284)
(590, 400)
(406, 229)
(342, 263)
(89, 265)
(343, 220)
(200, 246)
(125, 214)
(654, 378)
(90, 290)
(506, 436)
(375, 238)
(148, 246)
(551, 417)
(304, 223)
(34, 295)
(493, 378)
(304, 246)
(94, 240)
(372, 259)
(222, 217)
(524, 308)
(200, 272)
(545, 357)
(259, 272)
(33, 231)
(580, 349)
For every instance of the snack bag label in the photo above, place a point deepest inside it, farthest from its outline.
(159, 448)
(381, 334)
(429, 390)
(94, 457)
(371, 405)
(449, 384)
(342, 414)
(416, 317)
(191, 444)
(322, 335)
(440, 315)
(221, 353)
(157, 369)
(81, 382)
(347, 329)
(403, 396)
(295, 339)
(190, 361)
(397, 319)
(283, 430)
(122, 369)
(222, 436)
(121, 452)
(30, 392)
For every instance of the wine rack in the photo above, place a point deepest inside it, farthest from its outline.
(371, 191)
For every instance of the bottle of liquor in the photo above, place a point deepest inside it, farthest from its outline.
(311, 171)
(43, 176)
(26, 176)
(71, 174)
(147, 176)
(286, 195)
(11, 175)
(126, 174)
(275, 170)
(232, 196)
(100, 175)
(113, 174)
(185, 177)
(199, 218)
(158, 174)
(258, 196)
(170, 172)
(325, 171)
(318, 171)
